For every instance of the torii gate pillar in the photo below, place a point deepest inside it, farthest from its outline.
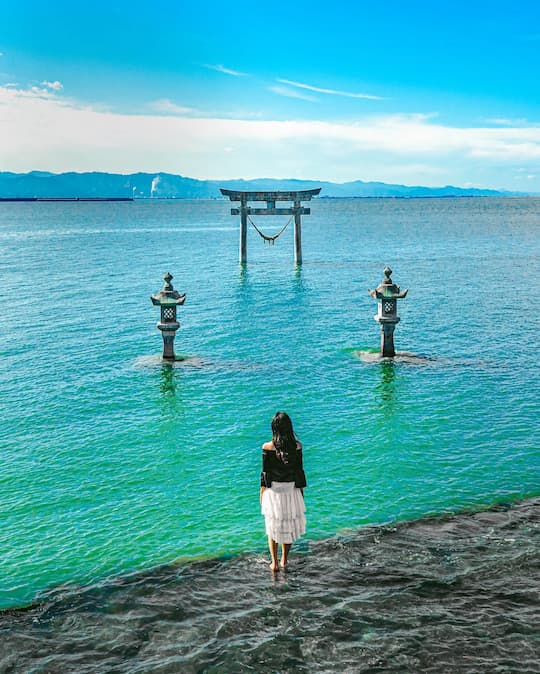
(297, 233)
(243, 230)
(297, 210)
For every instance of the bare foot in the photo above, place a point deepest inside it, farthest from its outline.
(283, 564)
(273, 566)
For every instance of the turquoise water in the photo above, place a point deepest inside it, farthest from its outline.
(113, 462)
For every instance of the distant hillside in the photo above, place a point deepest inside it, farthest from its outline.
(166, 185)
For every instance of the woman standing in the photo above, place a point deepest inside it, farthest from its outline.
(282, 484)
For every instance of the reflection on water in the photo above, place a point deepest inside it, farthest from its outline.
(243, 273)
(168, 386)
(386, 388)
(298, 280)
(168, 381)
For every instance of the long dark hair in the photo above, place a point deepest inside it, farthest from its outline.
(283, 436)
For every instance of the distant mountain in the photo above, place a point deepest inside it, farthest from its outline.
(166, 185)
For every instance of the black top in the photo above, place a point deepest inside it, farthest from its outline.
(273, 469)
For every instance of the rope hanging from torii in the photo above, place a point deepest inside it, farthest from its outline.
(271, 239)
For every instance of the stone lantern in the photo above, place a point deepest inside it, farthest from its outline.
(387, 294)
(168, 299)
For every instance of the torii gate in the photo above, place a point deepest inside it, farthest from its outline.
(297, 210)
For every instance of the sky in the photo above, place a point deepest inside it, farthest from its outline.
(417, 93)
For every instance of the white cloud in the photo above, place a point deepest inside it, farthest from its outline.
(167, 107)
(38, 92)
(44, 90)
(48, 132)
(332, 92)
(518, 121)
(291, 93)
(225, 71)
(34, 92)
(53, 86)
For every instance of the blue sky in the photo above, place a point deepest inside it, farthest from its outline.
(413, 92)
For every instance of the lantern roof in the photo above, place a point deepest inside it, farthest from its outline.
(168, 295)
(388, 289)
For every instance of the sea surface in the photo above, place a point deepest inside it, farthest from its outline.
(120, 471)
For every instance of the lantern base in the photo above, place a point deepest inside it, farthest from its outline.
(178, 358)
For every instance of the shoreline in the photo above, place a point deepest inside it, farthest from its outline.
(449, 593)
(301, 548)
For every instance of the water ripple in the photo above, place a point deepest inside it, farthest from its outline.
(112, 462)
(458, 593)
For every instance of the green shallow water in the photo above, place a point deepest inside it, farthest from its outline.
(113, 462)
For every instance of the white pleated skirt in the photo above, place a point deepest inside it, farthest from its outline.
(284, 511)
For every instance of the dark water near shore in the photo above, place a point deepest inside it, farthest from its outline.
(449, 594)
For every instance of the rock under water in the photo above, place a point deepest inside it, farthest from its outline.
(455, 593)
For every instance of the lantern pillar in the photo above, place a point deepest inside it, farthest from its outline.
(168, 299)
(387, 294)
(387, 340)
